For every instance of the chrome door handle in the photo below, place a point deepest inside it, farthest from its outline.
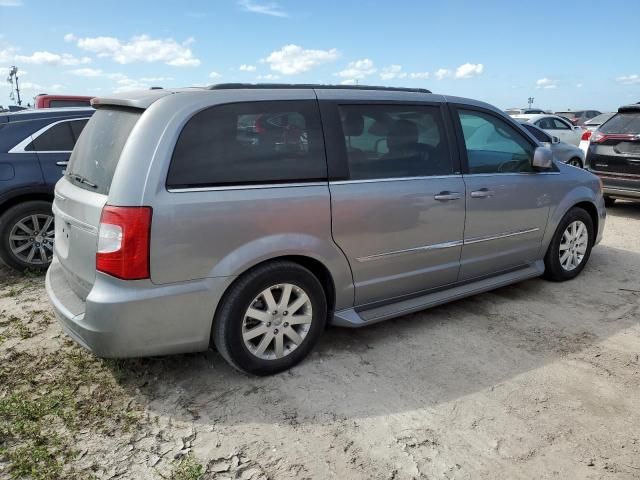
(482, 193)
(446, 196)
(63, 163)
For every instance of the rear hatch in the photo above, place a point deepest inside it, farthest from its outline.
(615, 146)
(83, 191)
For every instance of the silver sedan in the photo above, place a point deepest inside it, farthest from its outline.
(564, 152)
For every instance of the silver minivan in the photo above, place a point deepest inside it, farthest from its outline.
(250, 217)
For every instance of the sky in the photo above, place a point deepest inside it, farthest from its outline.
(564, 53)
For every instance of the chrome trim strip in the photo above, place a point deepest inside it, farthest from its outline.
(440, 246)
(425, 248)
(509, 174)
(488, 238)
(20, 147)
(246, 187)
(396, 179)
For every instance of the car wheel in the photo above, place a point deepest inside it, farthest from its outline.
(570, 247)
(575, 162)
(26, 236)
(270, 319)
(609, 202)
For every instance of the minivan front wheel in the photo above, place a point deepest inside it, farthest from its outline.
(26, 236)
(271, 318)
(570, 247)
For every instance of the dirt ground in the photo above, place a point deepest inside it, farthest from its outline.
(535, 380)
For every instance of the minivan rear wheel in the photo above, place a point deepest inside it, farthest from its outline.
(570, 247)
(271, 318)
(26, 236)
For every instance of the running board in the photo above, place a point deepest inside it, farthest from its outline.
(354, 319)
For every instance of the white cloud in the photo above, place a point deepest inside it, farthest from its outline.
(141, 48)
(31, 86)
(546, 83)
(391, 72)
(578, 85)
(269, 8)
(349, 81)
(156, 79)
(419, 75)
(70, 37)
(469, 70)
(442, 73)
(48, 58)
(358, 70)
(247, 68)
(125, 83)
(10, 3)
(214, 75)
(7, 54)
(293, 59)
(56, 87)
(87, 72)
(268, 76)
(629, 79)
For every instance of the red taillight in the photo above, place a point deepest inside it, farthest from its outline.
(599, 137)
(586, 135)
(123, 242)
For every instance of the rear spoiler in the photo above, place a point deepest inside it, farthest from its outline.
(141, 99)
(630, 108)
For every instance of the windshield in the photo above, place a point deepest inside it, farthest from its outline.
(96, 154)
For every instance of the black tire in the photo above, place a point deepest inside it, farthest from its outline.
(554, 270)
(9, 220)
(609, 202)
(576, 162)
(228, 322)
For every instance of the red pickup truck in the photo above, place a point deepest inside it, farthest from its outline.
(53, 101)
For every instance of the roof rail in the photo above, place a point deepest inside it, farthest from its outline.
(234, 86)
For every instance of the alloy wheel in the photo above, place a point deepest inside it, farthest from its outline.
(31, 239)
(573, 245)
(277, 321)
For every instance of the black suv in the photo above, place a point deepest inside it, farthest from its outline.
(614, 154)
(34, 148)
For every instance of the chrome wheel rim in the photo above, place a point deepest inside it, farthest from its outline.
(277, 321)
(31, 239)
(573, 246)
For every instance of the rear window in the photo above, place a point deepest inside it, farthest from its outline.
(249, 143)
(569, 115)
(622, 123)
(69, 103)
(95, 156)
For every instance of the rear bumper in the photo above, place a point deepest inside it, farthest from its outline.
(134, 319)
(619, 185)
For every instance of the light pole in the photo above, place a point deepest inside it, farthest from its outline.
(530, 100)
(13, 73)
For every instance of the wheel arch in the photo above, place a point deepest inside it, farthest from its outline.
(24, 196)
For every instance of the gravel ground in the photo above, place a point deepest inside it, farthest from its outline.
(535, 380)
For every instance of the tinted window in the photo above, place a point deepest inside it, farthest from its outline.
(393, 141)
(98, 149)
(243, 143)
(536, 132)
(545, 123)
(559, 124)
(622, 123)
(76, 127)
(494, 146)
(57, 138)
(69, 103)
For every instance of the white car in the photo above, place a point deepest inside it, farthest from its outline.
(590, 127)
(556, 126)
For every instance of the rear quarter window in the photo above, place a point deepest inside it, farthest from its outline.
(249, 143)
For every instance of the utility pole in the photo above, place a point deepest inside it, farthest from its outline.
(13, 73)
(530, 100)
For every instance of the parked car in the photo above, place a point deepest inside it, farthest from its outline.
(34, 148)
(563, 152)
(556, 126)
(44, 100)
(173, 232)
(579, 116)
(523, 111)
(591, 126)
(614, 154)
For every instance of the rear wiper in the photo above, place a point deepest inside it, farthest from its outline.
(81, 179)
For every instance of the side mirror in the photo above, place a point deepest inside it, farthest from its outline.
(555, 140)
(542, 158)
